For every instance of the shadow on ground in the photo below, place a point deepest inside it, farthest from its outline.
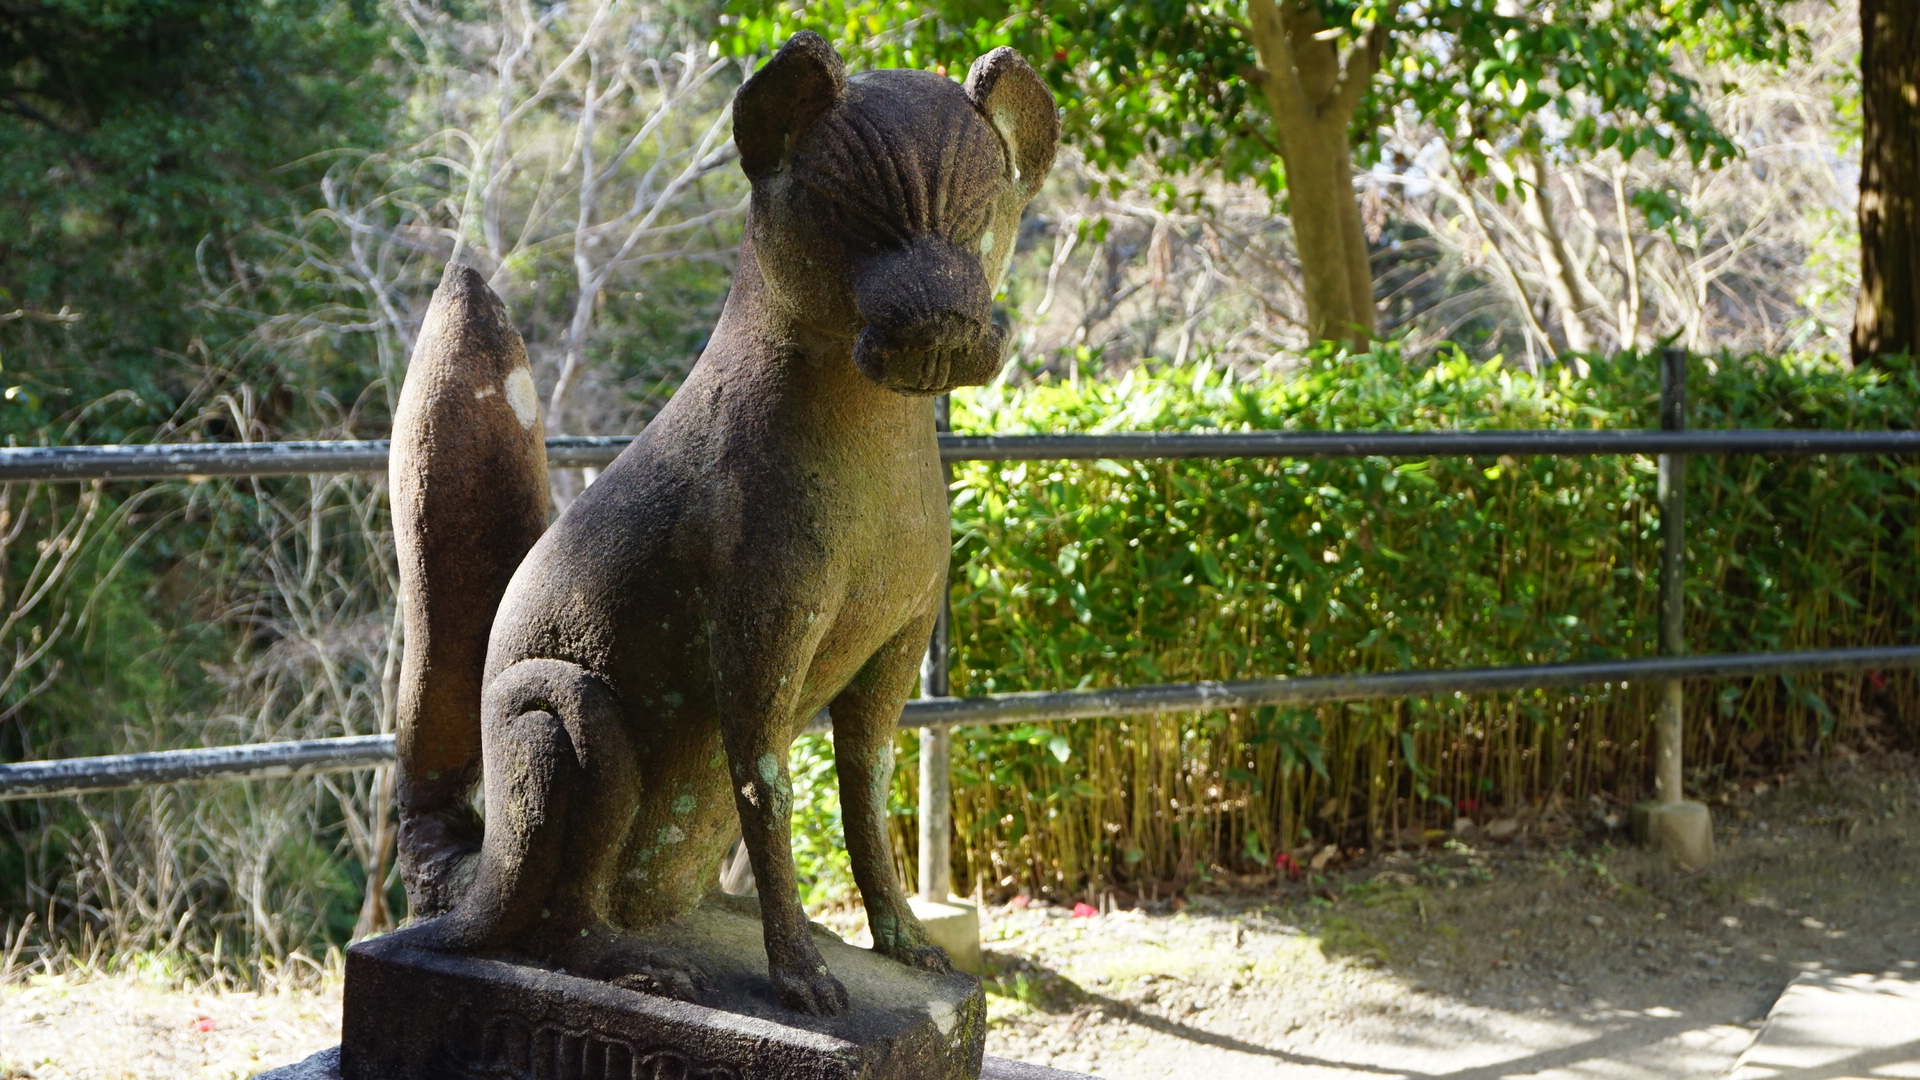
(1479, 959)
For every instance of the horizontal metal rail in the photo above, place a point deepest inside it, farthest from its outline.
(1337, 444)
(1037, 705)
(75, 776)
(164, 461)
(78, 776)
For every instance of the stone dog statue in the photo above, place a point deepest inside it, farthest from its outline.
(774, 542)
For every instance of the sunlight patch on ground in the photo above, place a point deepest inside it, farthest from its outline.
(141, 1025)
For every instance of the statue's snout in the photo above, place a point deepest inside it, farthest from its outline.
(928, 311)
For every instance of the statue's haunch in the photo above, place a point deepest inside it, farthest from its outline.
(775, 541)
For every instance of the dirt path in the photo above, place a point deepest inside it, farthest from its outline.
(1482, 959)
(1472, 960)
(142, 1026)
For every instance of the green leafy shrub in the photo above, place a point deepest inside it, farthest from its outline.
(1113, 573)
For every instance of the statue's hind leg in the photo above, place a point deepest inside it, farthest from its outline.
(865, 719)
(561, 786)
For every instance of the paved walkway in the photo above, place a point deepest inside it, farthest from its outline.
(1839, 1027)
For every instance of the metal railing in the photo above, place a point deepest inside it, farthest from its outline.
(936, 712)
(80, 776)
(205, 461)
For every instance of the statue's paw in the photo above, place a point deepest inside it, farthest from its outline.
(438, 853)
(603, 953)
(809, 988)
(438, 934)
(662, 980)
(922, 956)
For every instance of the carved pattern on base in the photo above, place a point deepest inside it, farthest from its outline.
(512, 1049)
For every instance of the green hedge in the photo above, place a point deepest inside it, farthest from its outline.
(1113, 573)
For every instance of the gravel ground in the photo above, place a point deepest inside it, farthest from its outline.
(145, 1026)
(1547, 953)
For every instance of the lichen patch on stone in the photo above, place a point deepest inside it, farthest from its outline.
(944, 1016)
(523, 398)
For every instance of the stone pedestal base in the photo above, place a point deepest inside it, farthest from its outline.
(413, 1014)
(955, 927)
(1684, 830)
(325, 1065)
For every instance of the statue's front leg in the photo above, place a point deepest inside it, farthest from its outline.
(756, 685)
(866, 717)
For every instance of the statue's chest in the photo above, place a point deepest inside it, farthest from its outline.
(879, 517)
(889, 569)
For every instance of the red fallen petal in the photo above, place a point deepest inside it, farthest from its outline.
(1085, 911)
(205, 1023)
(1020, 901)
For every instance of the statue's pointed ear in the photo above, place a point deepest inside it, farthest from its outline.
(1020, 108)
(786, 97)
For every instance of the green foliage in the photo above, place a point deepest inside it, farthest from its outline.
(142, 142)
(1169, 82)
(1112, 573)
(820, 842)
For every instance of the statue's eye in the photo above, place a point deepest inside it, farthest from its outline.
(986, 243)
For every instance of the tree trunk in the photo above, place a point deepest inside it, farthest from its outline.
(1888, 318)
(1630, 337)
(1313, 94)
(1562, 274)
(1327, 235)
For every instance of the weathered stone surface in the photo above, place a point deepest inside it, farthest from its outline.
(1830, 1026)
(417, 1014)
(468, 482)
(325, 1065)
(1683, 830)
(775, 541)
(955, 927)
(1003, 1069)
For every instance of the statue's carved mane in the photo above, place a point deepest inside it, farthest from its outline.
(885, 175)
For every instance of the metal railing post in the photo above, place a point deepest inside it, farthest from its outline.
(1669, 778)
(936, 743)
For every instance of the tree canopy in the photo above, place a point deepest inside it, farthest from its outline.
(1270, 90)
(1168, 79)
